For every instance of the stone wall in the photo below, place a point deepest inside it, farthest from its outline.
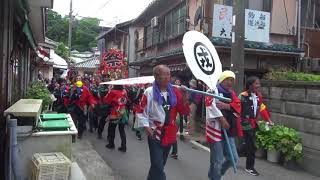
(297, 105)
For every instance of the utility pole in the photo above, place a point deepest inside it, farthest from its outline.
(70, 28)
(237, 47)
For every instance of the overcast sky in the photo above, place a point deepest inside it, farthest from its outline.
(110, 11)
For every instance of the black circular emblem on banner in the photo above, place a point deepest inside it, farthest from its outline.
(204, 58)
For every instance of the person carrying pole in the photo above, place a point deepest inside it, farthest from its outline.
(219, 116)
(157, 113)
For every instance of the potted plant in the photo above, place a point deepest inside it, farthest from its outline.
(272, 145)
(290, 147)
(261, 137)
(38, 90)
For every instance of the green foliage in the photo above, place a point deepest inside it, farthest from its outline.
(289, 143)
(84, 31)
(283, 139)
(58, 27)
(271, 140)
(62, 51)
(38, 90)
(262, 135)
(287, 74)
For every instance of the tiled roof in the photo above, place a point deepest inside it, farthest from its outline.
(165, 54)
(90, 63)
(223, 42)
(257, 45)
(117, 26)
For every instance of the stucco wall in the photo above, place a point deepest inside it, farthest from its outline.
(283, 17)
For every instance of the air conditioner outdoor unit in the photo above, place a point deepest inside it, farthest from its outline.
(154, 22)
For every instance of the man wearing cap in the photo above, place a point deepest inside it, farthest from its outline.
(222, 115)
(80, 96)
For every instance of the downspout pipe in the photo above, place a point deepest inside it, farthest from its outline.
(15, 164)
(299, 24)
(299, 66)
(8, 166)
(308, 46)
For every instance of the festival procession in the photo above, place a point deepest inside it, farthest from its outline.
(160, 90)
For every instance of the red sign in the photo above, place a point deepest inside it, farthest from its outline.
(114, 64)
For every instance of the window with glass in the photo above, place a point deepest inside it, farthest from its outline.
(148, 35)
(228, 2)
(259, 5)
(176, 21)
(171, 25)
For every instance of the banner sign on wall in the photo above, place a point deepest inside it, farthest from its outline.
(222, 21)
(257, 24)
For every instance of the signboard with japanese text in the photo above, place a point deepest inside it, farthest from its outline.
(222, 21)
(257, 24)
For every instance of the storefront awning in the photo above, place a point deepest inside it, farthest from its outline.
(251, 47)
(58, 62)
(27, 31)
(166, 54)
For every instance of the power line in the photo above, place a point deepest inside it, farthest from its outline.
(104, 5)
(85, 28)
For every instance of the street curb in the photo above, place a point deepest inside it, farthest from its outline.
(200, 145)
(76, 172)
(90, 162)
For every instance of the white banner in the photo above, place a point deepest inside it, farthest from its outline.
(222, 21)
(132, 81)
(202, 58)
(257, 24)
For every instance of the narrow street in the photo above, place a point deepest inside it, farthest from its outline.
(134, 164)
(243, 68)
(192, 163)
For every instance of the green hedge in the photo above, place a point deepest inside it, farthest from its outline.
(292, 76)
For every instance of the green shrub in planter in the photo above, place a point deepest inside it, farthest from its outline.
(289, 75)
(38, 90)
(290, 143)
(262, 135)
(267, 137)
(272, 141)
(279, 138)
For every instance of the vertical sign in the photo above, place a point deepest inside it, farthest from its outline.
(257, 25)
(222, 21)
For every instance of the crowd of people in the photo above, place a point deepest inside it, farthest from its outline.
(94, 104)
(161, 109)
(162, 102)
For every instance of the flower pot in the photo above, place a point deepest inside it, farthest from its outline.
(273, 156)
(261, 153)
(291, 165)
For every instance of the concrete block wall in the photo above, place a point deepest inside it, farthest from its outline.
(297, 105)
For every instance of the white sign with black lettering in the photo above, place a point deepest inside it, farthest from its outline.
(202, 58)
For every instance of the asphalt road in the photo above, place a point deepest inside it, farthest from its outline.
(192, 164)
